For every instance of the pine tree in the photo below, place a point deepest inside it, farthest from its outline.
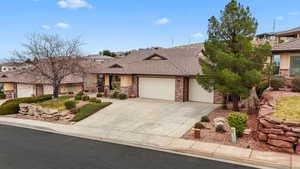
(231, 64)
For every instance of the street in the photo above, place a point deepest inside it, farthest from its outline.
(29, 149)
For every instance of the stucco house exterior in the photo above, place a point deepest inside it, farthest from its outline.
(160, 73)
(17, 85)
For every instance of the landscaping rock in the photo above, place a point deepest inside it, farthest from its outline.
(219, 124)
(298, 149)
(296, 130)
(292, 134)
(280, 143)
(286, 150)
(262, 136)
(272, 131)
(266, 124)
(284, 138)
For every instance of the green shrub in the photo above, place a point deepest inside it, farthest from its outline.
(93, 99)
(81, 93)
(296, 84)
(2, 95)
(115, 95)
(238, 121)
(78, 97)
(99, 95)
(70, 104)
(65, 97)
(12, 106)
(261, 88)
(85, 98)
(276, 83)
(122, 96)
(205, 119)
(89, 109)
(199, 126)
(98, 101)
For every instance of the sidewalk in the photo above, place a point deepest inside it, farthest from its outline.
(218, 151)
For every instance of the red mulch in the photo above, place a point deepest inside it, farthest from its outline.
(210, 135)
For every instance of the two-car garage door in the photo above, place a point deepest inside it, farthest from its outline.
(157, 88)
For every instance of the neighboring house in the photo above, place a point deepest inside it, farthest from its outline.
(10, 66)
(159, 74)
(99, 58)
(16, 85)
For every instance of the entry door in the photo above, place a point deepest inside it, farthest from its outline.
(157, 88)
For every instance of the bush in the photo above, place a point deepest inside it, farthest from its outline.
(85, 98)
(276, 83)
(238, 121)
(220, 129)
(70, 105)
(122, 96)
(81, 93)
(98, 101)
(99, 95)
(93, 99)
(2, 95)
(261, 88)
(199, 126)
(78, 97)
(205, 119)
(12, 106)
(296, 84)
(89, 109)
(115, 95)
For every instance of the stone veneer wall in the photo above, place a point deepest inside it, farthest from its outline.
(279, 135)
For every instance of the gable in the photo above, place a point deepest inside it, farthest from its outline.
(155, 57)
(115, 66)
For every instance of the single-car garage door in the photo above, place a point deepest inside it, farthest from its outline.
(25, 90)
(157, 88)
(197, 93)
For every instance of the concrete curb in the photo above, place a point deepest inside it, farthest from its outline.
(174, 147)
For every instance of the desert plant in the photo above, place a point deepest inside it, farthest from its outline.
(70, 104)
(276, 83)
(238, 120)
(205, 119)
(199, 125)
(99, 95)
(296, 84)
(122, 96)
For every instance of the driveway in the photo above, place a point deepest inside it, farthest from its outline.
(145, 116)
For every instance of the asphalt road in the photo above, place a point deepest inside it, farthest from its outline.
(29, 149)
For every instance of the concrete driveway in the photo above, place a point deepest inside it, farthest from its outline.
(145, 116)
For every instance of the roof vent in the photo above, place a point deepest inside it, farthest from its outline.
(3, 76)
(155, 57)
(115, 66)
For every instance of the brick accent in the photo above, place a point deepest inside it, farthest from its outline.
(181, 89)
(10, 94)
(218, 98)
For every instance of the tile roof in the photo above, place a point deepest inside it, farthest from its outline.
(297, 29)
(179, 61)
(293, 45)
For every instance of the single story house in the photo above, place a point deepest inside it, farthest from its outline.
(17, 84)
(159, 74)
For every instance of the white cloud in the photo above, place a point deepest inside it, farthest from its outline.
(279, 18)
(74, 4)
(46, 27)
(197, 35)
(294, 13)
(62, 25)
(162, 21)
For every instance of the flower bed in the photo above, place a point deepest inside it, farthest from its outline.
(278, 125)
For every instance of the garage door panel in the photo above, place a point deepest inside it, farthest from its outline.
(25, 90)
(197, 93)
(157, 88)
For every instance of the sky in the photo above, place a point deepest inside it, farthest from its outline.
(121, 25)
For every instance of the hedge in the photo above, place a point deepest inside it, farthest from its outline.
(89, 109)
(12, 106)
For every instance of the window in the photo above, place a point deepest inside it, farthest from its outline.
(276, 61)
(114, 82)
(294, 66)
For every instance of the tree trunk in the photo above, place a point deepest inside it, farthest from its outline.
(55, 91)
(235, 101)
(253, 102)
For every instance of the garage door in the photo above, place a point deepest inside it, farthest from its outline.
(197, 93)
(25, 90)
(48, 89)
(157, 88)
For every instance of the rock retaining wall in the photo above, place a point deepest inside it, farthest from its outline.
(279, 135)
(44, 113)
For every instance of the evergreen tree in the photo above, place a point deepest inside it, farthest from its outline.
(231, 64)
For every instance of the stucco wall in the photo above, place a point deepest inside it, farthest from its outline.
(90, 82)
(126, 80)
(75, 88)
(8, 86)
(106, 79)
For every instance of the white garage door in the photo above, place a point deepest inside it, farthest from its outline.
(157, 88)
(48, 89)
(197, 93)
(25, 90)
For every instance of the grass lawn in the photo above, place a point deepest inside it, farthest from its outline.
(89, 109)
(288, 108)
(54, 104)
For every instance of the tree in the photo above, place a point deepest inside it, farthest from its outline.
(231, 64)
(51, 58)
(108, 53)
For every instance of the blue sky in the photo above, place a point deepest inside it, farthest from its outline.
(128, 24)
